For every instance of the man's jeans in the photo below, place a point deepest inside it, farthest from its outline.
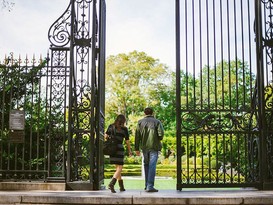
(150, 161)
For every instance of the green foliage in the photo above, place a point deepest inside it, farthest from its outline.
(168, 146)
(131, 80)
(128, 170)
(135, 170)
(227, 85)
(133, 160)
(222, 86)
(134, 81)
(21, 89)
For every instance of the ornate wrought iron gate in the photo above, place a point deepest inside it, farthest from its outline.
(52, 117)
(77, 91)
(224, 94)
(52, 111)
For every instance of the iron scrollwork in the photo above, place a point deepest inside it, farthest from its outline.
(218, 121)
(268, 96)
(269, 118)
(268, 40)
(268, 90)
(59, 32)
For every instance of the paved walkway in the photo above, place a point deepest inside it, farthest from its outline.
(186, 197)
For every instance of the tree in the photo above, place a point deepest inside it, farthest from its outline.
(217, 107)
(229, 85)
(20, 90)
(130, 82)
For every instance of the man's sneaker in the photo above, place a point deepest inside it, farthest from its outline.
(152, 190)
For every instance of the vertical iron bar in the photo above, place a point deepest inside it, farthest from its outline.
(201, 85)
(223, 159)
(46, 155)
(229, 52)
(209, 145)
(247, 164)
(201, 53)
(50, 118)
(260, 80)
(217, 158)
(38, 115)
(194, 158)
(249, 48)
(193, 55)
(202, 148)
(266, 58)
(222, 55)
(187, 60)
(243, 54)
(193, 150)
(238, 140)
(214, 55)
(3, 93)
(93, 94)
(10, 107)
(66, 115)
(208, 53)
(31, 143)
(241, 137)
(271, 35)
(224, 156)
(236, 52)
(178, 96)
(101, 93)
(71, 72)
(230, 157)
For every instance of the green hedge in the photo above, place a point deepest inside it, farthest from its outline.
(170, 171)
(135, 170)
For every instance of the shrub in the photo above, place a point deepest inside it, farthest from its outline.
(133, 160)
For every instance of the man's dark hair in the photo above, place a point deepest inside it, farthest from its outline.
(148, 111)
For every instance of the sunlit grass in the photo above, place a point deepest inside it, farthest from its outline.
(138, 183)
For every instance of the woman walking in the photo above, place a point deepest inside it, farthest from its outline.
(120, 131)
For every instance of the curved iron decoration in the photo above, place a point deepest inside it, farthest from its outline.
(59, 32)
(218, 122)
(268, 40)
(268, 91)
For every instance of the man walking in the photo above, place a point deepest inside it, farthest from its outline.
(148, 136)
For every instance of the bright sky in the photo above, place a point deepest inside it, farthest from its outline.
(142, 25)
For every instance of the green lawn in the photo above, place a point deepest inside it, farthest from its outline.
(139, 184)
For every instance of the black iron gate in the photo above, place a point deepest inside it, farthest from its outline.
(77, 91)
(224, 93)
(52, 111)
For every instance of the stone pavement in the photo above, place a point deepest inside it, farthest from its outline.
(170, 197)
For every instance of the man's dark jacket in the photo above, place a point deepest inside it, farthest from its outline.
(149, 133)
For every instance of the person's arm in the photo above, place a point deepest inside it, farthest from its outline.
(107, 133)
(137, 140)
(160, 131)
(129, 147)
(127, 140)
